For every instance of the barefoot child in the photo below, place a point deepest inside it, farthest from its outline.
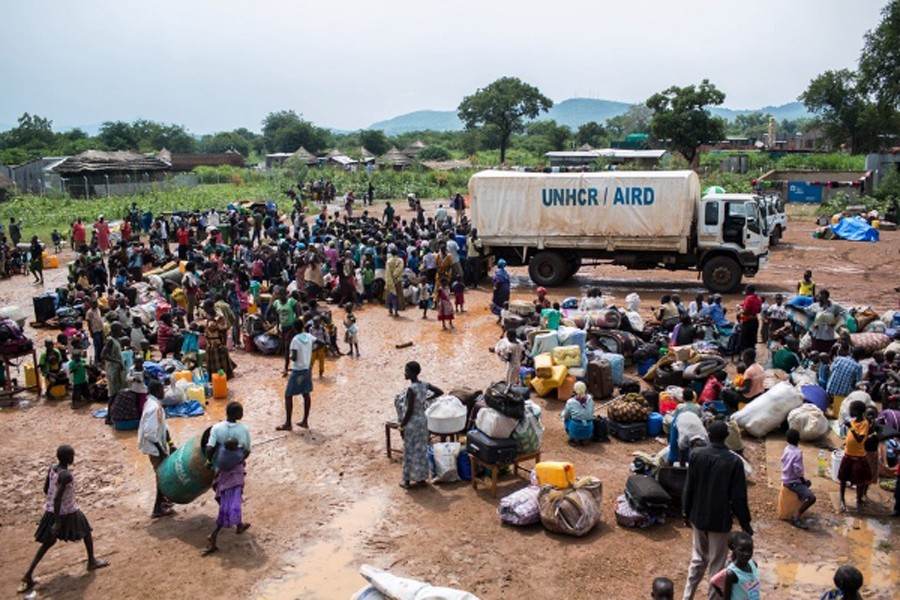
(228, 483)
(794, 479)
(459, 294)
(854, 467)
(740, 579)
(445, 308)
(62, 519)
(351, 330)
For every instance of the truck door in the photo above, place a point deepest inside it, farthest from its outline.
(735, 224)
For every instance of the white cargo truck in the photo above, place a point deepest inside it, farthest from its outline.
(557, 222)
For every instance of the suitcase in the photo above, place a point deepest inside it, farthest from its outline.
(44, 307)
(646, 495)
(672, 479)
(617, 362)
(490, 450)
(601, 430)
(627, 432)
(599, 379)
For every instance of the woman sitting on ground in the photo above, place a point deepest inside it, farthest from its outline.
(578, 416)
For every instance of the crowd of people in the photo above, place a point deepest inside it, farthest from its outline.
(253, 278)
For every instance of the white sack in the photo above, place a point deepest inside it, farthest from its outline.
(445, 454)
(845, 405)
(768, 411)
(810, 421)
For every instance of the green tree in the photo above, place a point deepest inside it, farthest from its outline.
(374, 141)
(505, 104)
(593, 134)
(118, 135)
(846, 113)
(752, 125)
(680, 115)
(32, 133)
(549, 135)
(284, 131)
(224, 141)
(635, 120)
(433, 152)
(879, 64)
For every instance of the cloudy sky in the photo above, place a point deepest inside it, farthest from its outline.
(214, 65)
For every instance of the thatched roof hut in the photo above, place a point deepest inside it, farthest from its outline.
(304, 156)
(396, 159)
(413, 148)
(96, 161)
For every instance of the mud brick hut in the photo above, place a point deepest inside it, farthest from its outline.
(95, 173)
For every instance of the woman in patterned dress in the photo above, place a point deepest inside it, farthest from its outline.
(414, 426)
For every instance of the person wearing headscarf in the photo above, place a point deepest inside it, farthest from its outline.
(578, 415)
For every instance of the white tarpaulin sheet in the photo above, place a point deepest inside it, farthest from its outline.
(629, 204)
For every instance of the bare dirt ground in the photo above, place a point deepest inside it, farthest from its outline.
(326, 500)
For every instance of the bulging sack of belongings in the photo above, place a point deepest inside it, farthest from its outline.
(529, 432)
(445, 454)
(544, 342)
(869, 342)
(569, 356)
(853, 396)
(809, 421)
(630, 408)
(493, 424)
(543, 363)
(617, 362)
(765, 413)
(521, 508)
(523, 308)
(389, 586)
(628, 516)
(446, 414)
(574, 510)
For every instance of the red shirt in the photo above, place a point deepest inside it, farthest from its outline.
(78, 232)
(182, 236)
(751, 307)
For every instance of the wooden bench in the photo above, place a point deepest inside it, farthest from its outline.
(496, 468)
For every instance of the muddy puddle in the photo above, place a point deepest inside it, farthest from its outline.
(329, 568)
(870, 545)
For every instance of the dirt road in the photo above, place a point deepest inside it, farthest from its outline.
(326, 500)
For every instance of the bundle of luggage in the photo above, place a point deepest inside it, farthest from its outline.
(644, 502)
(556, 498)
(507, 424)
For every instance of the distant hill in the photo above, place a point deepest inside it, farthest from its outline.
(573, 112)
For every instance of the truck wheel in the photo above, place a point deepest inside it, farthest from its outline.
(721, 275)
(776, 236)
(548, 269)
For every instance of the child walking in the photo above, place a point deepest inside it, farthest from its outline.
(459, 294)
(445, 308)
(793, 477)
(740, 579)
(854, 467)
(351, 330)
(62, 518)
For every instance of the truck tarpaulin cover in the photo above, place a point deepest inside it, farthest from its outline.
(855, 229)
(620, 204)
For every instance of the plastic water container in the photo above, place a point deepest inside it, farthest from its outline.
(32, 376)
(666, 403)
(654, 424)
(836, 457)
(555, 473)
(195, 392)
(182, 376)
(876, 224)
(219, 386)
(644, 366)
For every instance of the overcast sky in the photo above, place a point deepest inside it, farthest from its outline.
(213, 65)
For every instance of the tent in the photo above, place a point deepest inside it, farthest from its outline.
(855, 229)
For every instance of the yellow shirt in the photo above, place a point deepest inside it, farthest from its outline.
(852, 447)
(805, 289)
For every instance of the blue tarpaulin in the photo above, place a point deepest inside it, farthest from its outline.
(855, 229)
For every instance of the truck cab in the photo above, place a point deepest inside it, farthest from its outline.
(732, 239)
(772, 209)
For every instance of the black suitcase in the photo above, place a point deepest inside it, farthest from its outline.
(646, 495)
(672, 479)
(627, 432)
(507, 399)
(44, 307)
(490, 450)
